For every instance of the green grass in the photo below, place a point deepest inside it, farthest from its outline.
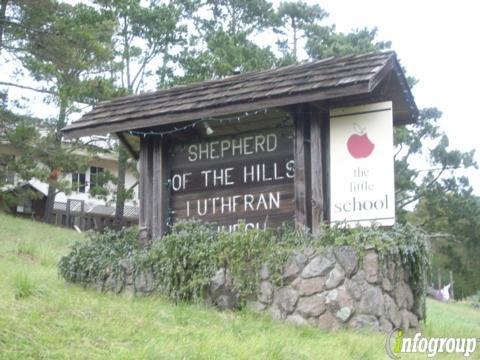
(42, 317)
(24, 286)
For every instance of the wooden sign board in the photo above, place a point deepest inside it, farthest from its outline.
(224, 180)
(361, 165)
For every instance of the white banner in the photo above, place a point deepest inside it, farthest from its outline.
(361, 165)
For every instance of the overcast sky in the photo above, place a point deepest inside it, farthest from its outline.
(438, 43)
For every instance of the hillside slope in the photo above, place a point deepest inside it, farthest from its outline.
(43, 317)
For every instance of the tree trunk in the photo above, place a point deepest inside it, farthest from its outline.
(47, 217)
(295, 40)
(52, 190)
(3, 11)
(121, 195)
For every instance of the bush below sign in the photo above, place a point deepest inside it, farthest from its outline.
(346, 278)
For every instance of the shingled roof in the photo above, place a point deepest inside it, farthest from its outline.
(322, 80)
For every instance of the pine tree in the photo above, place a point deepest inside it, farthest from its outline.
(71, 47)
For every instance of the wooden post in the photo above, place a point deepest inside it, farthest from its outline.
(316, 162)
(144, 189)
(159, 190)
(301, 156)
(326, 164)
(153, 190)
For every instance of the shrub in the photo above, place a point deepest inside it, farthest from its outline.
(98, 257)
(474, 299)
(184, 261)
(244, 252)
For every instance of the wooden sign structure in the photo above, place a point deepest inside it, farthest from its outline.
(362, 166)
(272, 164)
(245, 177)
(263, 178)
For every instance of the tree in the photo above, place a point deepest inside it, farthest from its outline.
(221, 44)
(144, 35)
(411, 183)
(224, 55)
(439, 177)
(3, 11)
(67, 54)
(453, 220)
(324, 42)
(17, 131)
(236, 16)
(295, 19)
(22, 134)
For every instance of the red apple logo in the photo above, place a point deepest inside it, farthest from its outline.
(359, 145)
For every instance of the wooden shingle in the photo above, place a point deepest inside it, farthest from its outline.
(322, 80)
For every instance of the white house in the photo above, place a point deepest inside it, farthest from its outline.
(80, 207)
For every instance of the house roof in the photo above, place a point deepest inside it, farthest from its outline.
(318, 81)
(130, 212)
(91, 206)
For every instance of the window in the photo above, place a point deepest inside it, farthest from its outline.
(25, 208)
(96, 177)
(78, 182)
(7, 175)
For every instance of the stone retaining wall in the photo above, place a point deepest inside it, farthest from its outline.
(330, 290)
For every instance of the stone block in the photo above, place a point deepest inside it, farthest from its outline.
(391, 311)
(403, 296)
(144, 282)
(320, 265)
(347, 258)
(285, 299)
(409, 320)
(311, 306)
(307, 287)
(300, 259)
(344, 313)
(328, 322)
(363, 321)
(227, 301)
(335, 277)
(266, 292)
(309, 252)
(290, 272)
(371, 302)
(371, 268)
(114, 283)
(264, 272)
(384, 325)
(296, 320)
(277, 314)
(357, 285)
(387, 285)
(339, 303)
(256, 306)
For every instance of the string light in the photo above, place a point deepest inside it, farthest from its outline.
(236, 118)
(205, 121)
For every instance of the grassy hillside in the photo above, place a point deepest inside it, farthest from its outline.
(43, 317)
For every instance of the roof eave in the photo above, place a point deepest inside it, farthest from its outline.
(77, 130)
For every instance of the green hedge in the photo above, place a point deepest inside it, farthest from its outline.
(185, 260)
(101, 255)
